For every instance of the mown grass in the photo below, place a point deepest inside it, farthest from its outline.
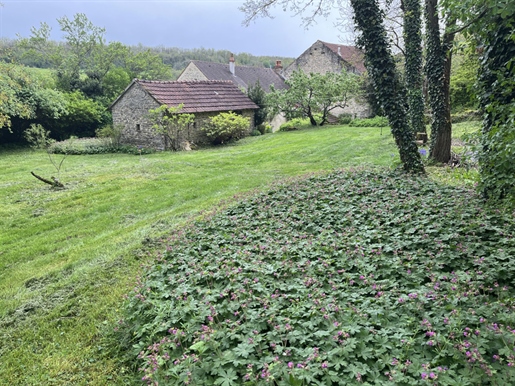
(68, 256)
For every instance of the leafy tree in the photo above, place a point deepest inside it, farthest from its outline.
(170, 122)
(314, 94)
(24, 101)
(258, 96)
(13, 80)
(83, 116)
(225, 127)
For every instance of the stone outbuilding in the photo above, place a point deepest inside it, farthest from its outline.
(204, 99)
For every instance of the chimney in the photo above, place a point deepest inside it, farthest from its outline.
(278, 66)
(339, 51)
(231, 64)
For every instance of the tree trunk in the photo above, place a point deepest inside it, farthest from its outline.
(391, 91)
(412, 29)
(438, 68)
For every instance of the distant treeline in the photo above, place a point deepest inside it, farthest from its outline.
(174, 57)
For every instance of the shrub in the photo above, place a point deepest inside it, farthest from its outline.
(225, 127)
(370, 122)
(261, 128)
(295, 124)
(112, 133)
(255, 133)
(345, 119)
(375, 279)
(79, 146)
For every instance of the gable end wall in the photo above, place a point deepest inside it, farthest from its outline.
(191, 72)
(130, 111)
(318, 59)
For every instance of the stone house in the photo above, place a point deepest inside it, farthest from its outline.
(241, 76)
(204, 99)
(323, 57)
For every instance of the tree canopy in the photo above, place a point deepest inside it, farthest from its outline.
(314, 95)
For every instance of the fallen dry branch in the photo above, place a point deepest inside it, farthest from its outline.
(54, 182)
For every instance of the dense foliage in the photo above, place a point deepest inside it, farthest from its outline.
(349, 278)
(497, 96)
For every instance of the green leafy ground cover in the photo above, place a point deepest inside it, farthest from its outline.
(354, 277)
(68, 256)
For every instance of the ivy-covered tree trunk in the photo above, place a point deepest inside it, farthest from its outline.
(438, 67)
(497, 98)
(390, 90)
(413, 42)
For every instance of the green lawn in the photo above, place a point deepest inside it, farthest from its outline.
(68, 256)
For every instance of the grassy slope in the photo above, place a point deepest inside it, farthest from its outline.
(67, 257)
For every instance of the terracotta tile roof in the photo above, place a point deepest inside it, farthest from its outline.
(244, 76)
(198, 96)
(352, 55)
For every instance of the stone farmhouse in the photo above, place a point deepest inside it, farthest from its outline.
(241, 76)
(204, 98)
(324, 57)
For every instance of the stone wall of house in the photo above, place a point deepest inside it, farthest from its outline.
(191, 72)
(356, 108)
(318, 59)
(131, 112)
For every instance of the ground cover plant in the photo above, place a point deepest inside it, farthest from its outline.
(353, 277)
(67, 256)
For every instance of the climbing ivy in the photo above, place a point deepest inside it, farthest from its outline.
(437, 58)
(497, 96)
(390, 90)
(413, 54)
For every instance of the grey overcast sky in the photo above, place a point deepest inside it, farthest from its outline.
(172, 23)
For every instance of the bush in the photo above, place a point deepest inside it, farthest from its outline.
(370, 122)
(225, 127)
(80, 146)
(255, 133)
(112, 133)
(375, 279)
(345, 119)
(295, 124)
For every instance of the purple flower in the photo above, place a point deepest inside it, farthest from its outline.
(290, 365)
(424, 375)
(422, 152)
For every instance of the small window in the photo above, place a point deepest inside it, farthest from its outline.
(138, 127)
